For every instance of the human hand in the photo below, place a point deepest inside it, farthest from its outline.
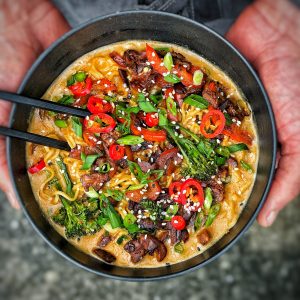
(26, 29)
(267, 33)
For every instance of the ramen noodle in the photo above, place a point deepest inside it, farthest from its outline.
(162, 167)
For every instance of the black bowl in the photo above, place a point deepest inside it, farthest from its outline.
(143, 25)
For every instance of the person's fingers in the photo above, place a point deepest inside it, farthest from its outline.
(285, 187)
(47, 23)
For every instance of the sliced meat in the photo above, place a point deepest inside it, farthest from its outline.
(95, 181)
(134, 206)
(105, 255)
(123, 75)
(213, 92)
(145, 166)
(184, 235)
(118, 59)
(175, 236)
(135, 249)
(153, 245)
(140, 147)
(232, 162)
(151, 193)
(235, 111)
(104, 240)
(110, 138)
(135, 61)
(147, 224)
(163, 235)
(203, 237)
(179, 59)
(76, 152)
(166, 156)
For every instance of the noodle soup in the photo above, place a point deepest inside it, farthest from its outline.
(162, 167)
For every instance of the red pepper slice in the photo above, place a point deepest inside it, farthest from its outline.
(174, 191)
(198, 198)
(97, 105)
(155, 61)
(185, 77)
(178, 222)
(106, 85)
(92, 123)
(80, 89)
(37, 167)
(152, 193)
(116, 152)
(213, 117)
(151, 119)
(89, 138)
(154, 135)
(238, 135)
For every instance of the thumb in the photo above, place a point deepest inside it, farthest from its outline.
(285, 188)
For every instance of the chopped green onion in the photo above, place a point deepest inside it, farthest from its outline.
(237, 147)
(196, 100)
(220, 161)
(199, 220)
(171, 106)
(92, 193)
(197, 77)
(66, 100)
(208, 198)
(156, 98)
(246, 166)
(114, 218)
(80, 76)
(71, 80)
(130, 140)
(165, 49)
(102, 220)
(168, 61)
(77, 126)
(172, 78)
(104, 168)
(223, 151)
(179, 248)
(88, 160)
(61, 123)
(115, 194)
(228, 119)
(121, 239)
(136, 187)
(129, 220)
(64, 172)
(172, 210)
(213, 212)
(162, 117)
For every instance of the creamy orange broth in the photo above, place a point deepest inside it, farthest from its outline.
(98, 64)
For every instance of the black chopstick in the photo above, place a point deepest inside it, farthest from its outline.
(44, 104)
(34, 138)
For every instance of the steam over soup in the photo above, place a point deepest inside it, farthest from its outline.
(162, 167)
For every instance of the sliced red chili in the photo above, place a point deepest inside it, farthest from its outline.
(213, 118)
(154, 135)
(99, 123)
(186, 78)
(80, 89)
(151, 119)
(37, 167)
(196, 198)
(155, 61)
(238, 135)
(116, 152)
(89, 138)
(174, 191)
(106, 85)
(97, 105)
(178, 222)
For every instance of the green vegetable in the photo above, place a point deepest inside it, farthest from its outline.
(109, 212)
(196, 100)
(163, 49)
(121, 239)
(162, 117)
(223, 151)
(64, 171)
(197, 165)
(79, 218)
(104, 168)
(213, 212)
(80, 76)
(110, 98)
(208, 198)
(154, 209)
(66, 100)
(228, 119)
(54, 182)
(171, 211)
(92, 193)
(197, 77)
(61, 123)
(156, 98)
(168, 61)
(206, 147)
(136, 187)
(220, 161)
(171, 106)
(130, 140)
(88, 160)
(179, 247)
(199, 220)
(172, 78)
(102, 220)
(237, 147)
(71, 80)
(145, 105)
(115, 194)
(129, 220)
(142, 177)
(77, 126)
(124, 112)
(246, 166)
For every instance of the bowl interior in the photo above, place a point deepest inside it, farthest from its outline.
(147, 26)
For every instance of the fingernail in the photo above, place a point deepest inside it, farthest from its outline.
(271, 217)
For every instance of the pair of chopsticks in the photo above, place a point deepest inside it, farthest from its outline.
(43, 104)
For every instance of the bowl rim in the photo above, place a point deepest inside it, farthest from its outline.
(270, 175)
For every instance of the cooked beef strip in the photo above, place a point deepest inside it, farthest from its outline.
(104, 240)
(135, 249)
(76, 152)
(135, 61)
(179, 59)
(110, 138)
(140, 147)
(118, 59)
(152, 244)
(123, 75)
(145, 166)
(105, 255)
(163, 235)
(95, 180)
(203, 237)
(184, 235)
(215, 98)
(147, 224)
